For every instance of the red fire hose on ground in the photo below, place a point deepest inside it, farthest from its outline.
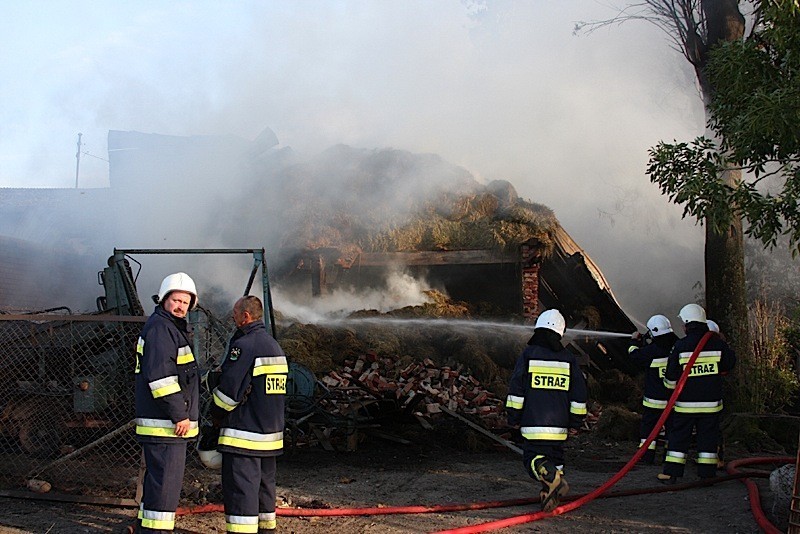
(577, 500)
(484, 505)
(752, 490)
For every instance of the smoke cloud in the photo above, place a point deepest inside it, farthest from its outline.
(502, 89)
(401, 290)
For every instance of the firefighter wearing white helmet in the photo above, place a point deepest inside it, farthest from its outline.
(652, 359)
(552, 320)
(167, 401)
(207, 448)
(178, 282)
(546, 398)
(698, 407)
(658, 325)
(692, 313)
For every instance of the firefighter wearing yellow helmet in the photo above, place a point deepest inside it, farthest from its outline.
(167, 401)
(546, 398)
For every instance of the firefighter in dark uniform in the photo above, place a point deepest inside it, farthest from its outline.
(546, 397)
(699, 405)
(248, 408)
(167, 401)
(652, 357)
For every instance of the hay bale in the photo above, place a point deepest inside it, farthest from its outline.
(309, 345)
(439, 305)
(618, 423)
(592, 316)
(615, 387)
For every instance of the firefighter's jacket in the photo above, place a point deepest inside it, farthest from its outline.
(547, 394)
(249, 399)
(653, 359)
(167, 380)
(702, 392)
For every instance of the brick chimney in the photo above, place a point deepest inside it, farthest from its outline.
(530, 261)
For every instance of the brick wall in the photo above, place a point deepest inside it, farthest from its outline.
(530, 260)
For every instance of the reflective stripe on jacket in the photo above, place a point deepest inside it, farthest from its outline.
(702, 393)
(547, 394)
(167, 380)
(251, 393)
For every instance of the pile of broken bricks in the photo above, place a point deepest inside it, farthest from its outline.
(421, 386)
(357, 395)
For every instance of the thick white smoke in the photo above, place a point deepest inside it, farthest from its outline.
(401, 290)
(502, 88)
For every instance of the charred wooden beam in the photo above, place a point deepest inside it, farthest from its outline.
(438, 257)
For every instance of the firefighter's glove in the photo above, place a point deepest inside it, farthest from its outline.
(209, 436)
(212, 378)
(217, 415)
(513, 416)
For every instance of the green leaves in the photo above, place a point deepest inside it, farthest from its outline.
(689, 175)
(755, 112)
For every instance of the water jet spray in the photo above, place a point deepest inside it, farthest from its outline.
(461, 324)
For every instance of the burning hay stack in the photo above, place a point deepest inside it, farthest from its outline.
(350, 201)
(354, 216)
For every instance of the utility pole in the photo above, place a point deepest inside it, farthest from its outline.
(78, 160)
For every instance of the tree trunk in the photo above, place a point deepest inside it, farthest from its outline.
(726, 297)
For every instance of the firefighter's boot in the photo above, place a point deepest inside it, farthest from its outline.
(554, 485)
(667, 479)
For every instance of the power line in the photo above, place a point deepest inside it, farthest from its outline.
(93, 156)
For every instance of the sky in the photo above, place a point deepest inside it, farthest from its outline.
(505, 89)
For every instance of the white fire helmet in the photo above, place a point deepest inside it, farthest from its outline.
(211, 459)
(658, 325)
(178, 282)
(552, 320)
(692, 313)
(712, 325)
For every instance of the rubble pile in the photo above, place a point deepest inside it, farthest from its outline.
(419, 387)
(371, 392)
(486, 355)
(379, 370)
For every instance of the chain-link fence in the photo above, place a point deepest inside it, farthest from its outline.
(67, 401)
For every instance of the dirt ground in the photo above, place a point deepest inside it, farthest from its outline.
(456, 467)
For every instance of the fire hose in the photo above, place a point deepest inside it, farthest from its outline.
(734, 474)
(575, 502)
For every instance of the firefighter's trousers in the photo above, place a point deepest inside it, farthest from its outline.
(248, 487)
(161, 490)
(650, 417)
(706, 427)
(551, 450)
